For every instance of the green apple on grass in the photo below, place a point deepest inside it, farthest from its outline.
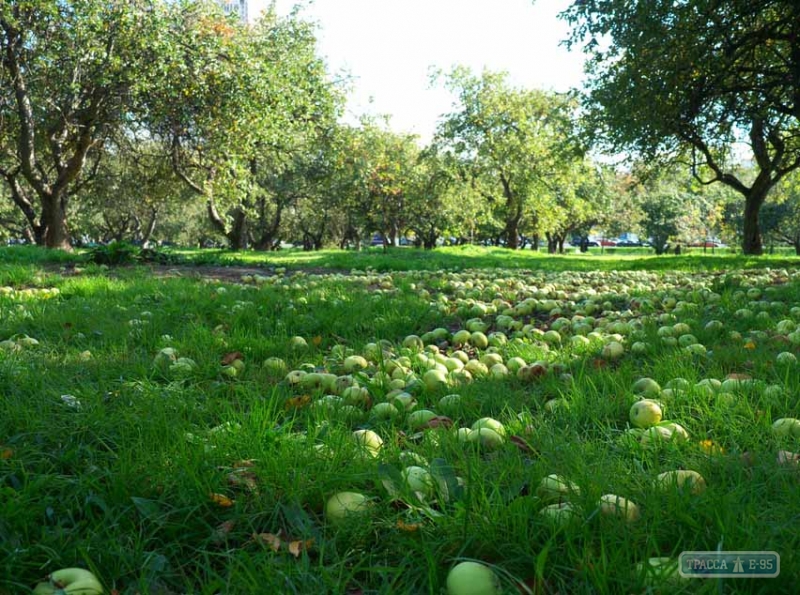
(70, 581)
(344, 506)
(472, 578)
(645, 413)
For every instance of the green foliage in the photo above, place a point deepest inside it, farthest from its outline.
(687, 80)
(510, 142)
(122, 253)
(115, 253)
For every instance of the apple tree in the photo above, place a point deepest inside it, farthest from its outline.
(71, 73)
(512, 138)
(688, 81)
(232, 102)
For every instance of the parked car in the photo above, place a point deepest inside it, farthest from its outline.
(629, 244)
(607, 242)
(377, 240)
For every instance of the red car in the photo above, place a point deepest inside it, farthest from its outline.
(605, 242)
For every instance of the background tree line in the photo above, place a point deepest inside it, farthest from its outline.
(148, 120)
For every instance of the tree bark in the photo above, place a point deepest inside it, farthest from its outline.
(237, 236)
(54, 222)
(752, 243)
(150, 228)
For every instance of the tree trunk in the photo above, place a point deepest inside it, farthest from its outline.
(237, 236)
(751, 242)
(54, 222)
(551, 243)
(150, 228)
(535, 242)
(796, 245)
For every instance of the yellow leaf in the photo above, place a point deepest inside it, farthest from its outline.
(6, 453)
(408, 527)
(297, 402)
(268, 539)
(316, 341)
(296, 547)
(710, 448)
(750, 345)
(221, 500)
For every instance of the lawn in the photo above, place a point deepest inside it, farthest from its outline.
(186, 435)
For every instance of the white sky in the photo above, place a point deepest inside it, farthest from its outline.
(389, 47)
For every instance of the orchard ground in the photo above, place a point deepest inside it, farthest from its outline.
(173, 434)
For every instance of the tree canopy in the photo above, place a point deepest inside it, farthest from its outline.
(689, 80)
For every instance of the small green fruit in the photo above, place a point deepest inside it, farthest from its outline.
(472, 578)
(345, 505)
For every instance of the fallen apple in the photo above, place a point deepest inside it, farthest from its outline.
(787, 426)
(554, 487)
(656, 571)
(645, 413)
(369, 441)
(647, 387)
(617, 506)
(472, 578)
(486, 437)
(70, 581)
(418, 479)
(680, 478)
(419, 418)
(344, 506)
(655, 435)
(560, 514)
(492, 424)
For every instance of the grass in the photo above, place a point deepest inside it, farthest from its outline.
(121, 484)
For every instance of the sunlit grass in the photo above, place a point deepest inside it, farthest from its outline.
(121, 485)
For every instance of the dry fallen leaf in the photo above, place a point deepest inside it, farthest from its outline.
(520, 443)
(222, 531)
(738, 376)
(221, 500)
(316, 341)
(244, 463)
(297, 547)
(297, 402)
(268, 539)
(231, 357)
(788, 458)
(440, 421)
(245, 479)
(408, 527)
(6, 453)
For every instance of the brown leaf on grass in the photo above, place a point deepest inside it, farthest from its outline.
(738, 376)
(521, 444)
(316, 341)
(243, 479)
(408, 527)
(231, 357)
(296, 547)
(297, 402)
(440, 421)
(221, 532)
(244, 464)
(5, 454)
(788, 458)
(221, 500)
(270, 540)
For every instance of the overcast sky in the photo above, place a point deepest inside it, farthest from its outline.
(389, 47)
